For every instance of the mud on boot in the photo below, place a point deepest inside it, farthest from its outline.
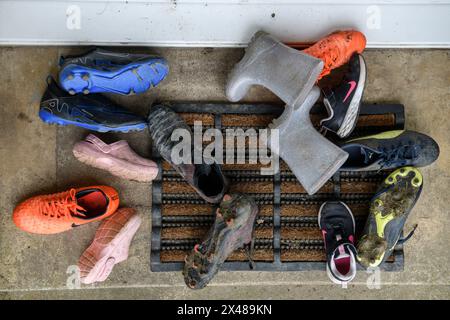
(233, 228)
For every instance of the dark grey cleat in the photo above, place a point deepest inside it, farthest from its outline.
(390, 150)
(232, 229)
(207, 179)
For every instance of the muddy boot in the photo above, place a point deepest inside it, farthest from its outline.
(287, 72)
(232, 229)
(206, 179)
(312, 158)
(389, 210)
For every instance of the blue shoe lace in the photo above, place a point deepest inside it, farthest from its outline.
(399, 156)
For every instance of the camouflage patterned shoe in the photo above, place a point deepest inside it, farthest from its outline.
(389, 210)
(232, 229)
(207, 179)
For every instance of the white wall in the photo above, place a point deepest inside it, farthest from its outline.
(396, 23)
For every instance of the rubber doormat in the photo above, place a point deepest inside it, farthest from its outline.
(287, 233)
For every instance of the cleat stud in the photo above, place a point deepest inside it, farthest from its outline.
(85, 91)
(70, 77)
(71, 91)
(86, 77)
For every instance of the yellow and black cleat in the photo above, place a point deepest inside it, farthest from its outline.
(389, 210)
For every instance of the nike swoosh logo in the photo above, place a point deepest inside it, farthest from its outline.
(352, 87)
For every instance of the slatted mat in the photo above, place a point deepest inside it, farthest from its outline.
(287, 236)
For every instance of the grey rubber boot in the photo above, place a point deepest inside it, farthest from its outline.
(312, 158)
(287, 72)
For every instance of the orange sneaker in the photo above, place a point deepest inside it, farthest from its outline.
(55, 213)
(336, 49)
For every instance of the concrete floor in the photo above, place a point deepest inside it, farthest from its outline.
(36, 158)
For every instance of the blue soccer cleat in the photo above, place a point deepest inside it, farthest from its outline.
(94, 112)
(104, 71)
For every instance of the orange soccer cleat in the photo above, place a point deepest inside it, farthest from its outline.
(55, 213)
(336, 49)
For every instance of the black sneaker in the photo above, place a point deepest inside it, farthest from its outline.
(94, 112)
(390, 150)
(343, 102)
(232, 229)
(337, 224)
(206, 179)
(105, 71)
(389, 210)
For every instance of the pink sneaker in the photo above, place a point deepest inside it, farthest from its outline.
(117, 158)
(110, 246)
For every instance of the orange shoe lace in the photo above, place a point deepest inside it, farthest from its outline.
(61, 205)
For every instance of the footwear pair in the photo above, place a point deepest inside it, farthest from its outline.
(117, 158)
(95, 72)
(232, 229)
(235, 217)
(389, 209)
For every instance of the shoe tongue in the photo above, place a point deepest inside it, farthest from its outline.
(341, 252)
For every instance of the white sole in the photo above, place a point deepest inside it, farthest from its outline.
(351, 116)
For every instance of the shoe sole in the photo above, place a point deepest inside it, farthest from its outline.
(115, 166)
(133, 78)
(117, 249)
(381, 220)
(351, 117)
(50, 118)
(398, 175)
